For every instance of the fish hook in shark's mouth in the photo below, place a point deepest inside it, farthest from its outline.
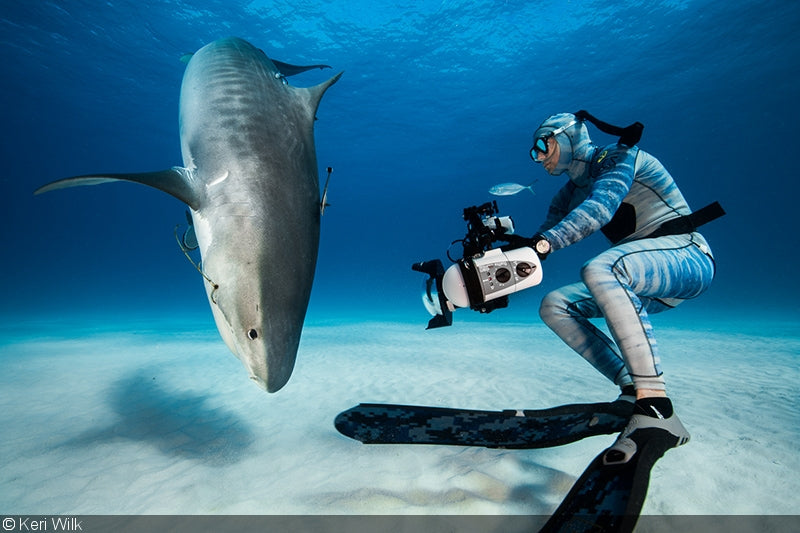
(249, 176)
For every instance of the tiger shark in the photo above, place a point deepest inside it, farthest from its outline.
(250, 179)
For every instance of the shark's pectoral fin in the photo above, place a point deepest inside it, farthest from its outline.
(290, 70)
(176, 182)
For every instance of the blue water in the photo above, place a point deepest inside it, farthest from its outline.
(437, 103)
(108, 406)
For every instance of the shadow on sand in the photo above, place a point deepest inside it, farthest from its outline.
(180, 424)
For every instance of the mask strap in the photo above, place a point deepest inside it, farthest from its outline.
(562, 129)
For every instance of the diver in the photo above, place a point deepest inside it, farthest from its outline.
(657, 260)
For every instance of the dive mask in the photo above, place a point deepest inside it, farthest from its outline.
(540, 143)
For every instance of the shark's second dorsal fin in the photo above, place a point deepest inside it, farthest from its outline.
(175, 181)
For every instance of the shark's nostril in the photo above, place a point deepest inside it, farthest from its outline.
(253, 334)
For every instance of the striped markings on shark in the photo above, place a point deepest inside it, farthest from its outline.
(250, 180)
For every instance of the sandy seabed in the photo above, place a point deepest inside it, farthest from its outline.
(160, 419)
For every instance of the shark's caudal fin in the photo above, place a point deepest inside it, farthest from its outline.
(175, 182)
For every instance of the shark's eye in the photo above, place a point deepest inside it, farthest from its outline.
(253, 334)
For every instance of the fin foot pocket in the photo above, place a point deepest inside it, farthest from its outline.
(610, 496)
(620, 452)
(626, 445)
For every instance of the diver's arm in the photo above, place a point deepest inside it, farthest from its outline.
(610, 187)
(559, 207)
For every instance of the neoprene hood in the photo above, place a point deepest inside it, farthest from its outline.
(574, 143)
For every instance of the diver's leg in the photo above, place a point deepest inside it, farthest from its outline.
(567, 312)
(667, 267)
(622, 281)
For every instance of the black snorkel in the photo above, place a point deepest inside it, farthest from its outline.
(629, 135)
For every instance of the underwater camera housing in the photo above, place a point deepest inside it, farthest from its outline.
(485, 275)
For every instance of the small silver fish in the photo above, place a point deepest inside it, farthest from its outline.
(509, 189)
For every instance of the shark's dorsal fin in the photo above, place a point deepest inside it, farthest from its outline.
(176, 181)
(314, 94)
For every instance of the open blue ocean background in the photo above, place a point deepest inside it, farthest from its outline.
(437, 103)
(117, 394)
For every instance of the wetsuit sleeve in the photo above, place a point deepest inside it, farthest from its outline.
(614, 171)
(559, 207)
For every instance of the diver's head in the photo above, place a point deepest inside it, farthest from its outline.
(561, 143)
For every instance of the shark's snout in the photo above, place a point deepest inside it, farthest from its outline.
(270, 379)
(260, 329)
(268, 356)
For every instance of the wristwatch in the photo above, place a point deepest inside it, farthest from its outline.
(542, 246)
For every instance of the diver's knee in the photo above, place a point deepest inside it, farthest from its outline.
(597, 269)
(553, 306)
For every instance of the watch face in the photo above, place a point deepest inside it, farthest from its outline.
(542, 246)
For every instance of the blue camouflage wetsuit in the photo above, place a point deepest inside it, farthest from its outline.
(628, 194)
